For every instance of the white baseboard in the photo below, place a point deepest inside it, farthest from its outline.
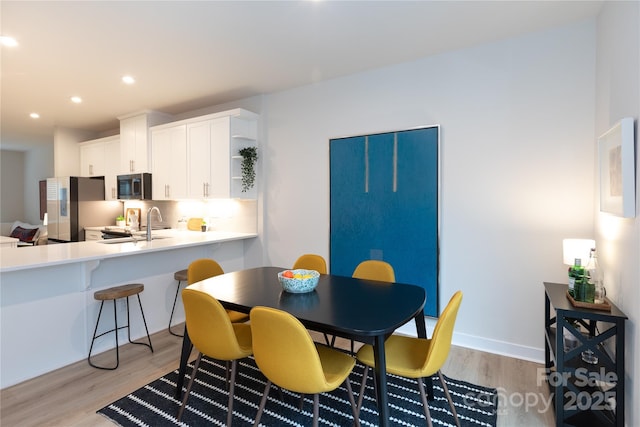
(488, 345)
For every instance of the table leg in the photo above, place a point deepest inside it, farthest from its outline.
(381, 380)
(421, 326)
(187, 346)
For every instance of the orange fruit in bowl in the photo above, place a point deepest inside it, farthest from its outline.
(288, 274)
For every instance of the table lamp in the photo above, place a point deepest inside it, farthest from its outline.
(573, 249)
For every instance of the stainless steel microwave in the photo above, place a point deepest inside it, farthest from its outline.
(136, 186)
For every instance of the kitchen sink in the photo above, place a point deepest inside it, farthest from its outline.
(130, 239)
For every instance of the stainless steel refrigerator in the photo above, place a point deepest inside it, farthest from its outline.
(74, 203)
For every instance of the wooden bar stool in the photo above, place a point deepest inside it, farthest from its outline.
(124, 291)
(180, 276)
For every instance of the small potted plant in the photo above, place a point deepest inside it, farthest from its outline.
(249, 158)
(120, 222)
(204, 225)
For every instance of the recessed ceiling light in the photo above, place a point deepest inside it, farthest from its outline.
(8, 41)
(76, 99)
(34, 115)
(128, 80)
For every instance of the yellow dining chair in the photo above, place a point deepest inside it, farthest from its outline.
(371, 270)
(417, 358)
(213, 335)
(286, 354)
(205, 268)
(311, 262)
(374, 270)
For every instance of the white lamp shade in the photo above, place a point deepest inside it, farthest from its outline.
(577, 248)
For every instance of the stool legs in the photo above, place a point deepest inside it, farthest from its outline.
(115, 329)
(173, 309)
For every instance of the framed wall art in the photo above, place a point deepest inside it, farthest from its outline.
(385, 205)
(616, 156)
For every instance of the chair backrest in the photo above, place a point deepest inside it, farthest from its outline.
(375, 270)
(442, 334)
(209, 327)
(285, 352)
(311, 262)
(201, 269)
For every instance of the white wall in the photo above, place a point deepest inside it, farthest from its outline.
(11, 185)
(517, 167)
(618, 239)
(38, 166)
(66, 151)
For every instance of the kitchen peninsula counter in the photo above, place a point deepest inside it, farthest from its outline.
(47, 306)
(14, 259)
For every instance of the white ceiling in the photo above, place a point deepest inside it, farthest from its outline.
(188, 55)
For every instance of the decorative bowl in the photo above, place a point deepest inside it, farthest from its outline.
(301, 282)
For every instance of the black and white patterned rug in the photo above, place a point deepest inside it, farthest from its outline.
(154, 404)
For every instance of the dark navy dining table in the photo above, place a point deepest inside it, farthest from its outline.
(363, 310)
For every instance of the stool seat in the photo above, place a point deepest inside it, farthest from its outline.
(180, 276)
(113, 294)
(119, 291)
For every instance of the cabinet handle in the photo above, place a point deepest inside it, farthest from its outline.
(166, 190)
(113, 192)
(90, 169)
(131, 168)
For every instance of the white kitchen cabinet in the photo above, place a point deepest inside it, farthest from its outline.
(92, 158)
(213, 159)
(111, 167)
(169, 162)
(199, 159)
(209, 164)
(135, 138)
(133, 145)
(101, 157)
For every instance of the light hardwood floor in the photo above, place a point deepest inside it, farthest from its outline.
(71, 395)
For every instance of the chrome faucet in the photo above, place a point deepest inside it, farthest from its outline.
(155, 208)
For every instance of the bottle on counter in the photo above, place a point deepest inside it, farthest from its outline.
(576, 279)
(595, 286)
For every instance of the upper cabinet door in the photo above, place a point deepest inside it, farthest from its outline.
(92, 158)
(111, 167)
(134, 145)
(219, 158)
(101, 157)
(199, 159)
(169, 163)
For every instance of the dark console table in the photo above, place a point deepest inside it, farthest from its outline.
(584, 394)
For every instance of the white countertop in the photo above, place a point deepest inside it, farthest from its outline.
(14, 259)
